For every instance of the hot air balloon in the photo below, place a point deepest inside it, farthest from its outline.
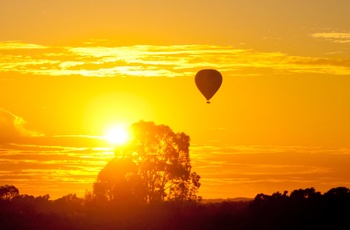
(208, 82)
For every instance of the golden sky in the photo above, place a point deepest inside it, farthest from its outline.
(70, 69)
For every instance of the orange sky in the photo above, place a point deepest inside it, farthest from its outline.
(279, 122)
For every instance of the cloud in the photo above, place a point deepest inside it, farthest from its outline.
(51, 169)
(12, 127)
(277, 167)
(16, 45)
(334, 37)
(96, 60)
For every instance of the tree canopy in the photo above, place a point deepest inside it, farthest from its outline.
(154, 166)
(7, 192)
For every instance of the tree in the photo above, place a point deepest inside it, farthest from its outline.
(8, 192)
(68, 204)
(162, 166)
(118, 180)
(185, 189)
(338, 191)
(307, 193)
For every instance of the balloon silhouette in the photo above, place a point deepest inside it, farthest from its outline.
(208, 82)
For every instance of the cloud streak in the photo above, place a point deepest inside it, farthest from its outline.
(48, 164)
(12, 127)
(95, 60)
(16, 45)
(267, 169)
(343, 38)
(55, 170)
(237, 170)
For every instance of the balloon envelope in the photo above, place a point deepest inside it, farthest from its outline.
(208, 82)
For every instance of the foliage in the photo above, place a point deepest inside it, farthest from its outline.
(118, 180)
(7, 192)
(302, 209)
(155, 166)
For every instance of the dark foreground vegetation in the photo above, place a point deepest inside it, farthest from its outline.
(301, 209)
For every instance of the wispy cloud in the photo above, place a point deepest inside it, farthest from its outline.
(55, 170)
(242, 170)
(333, 37)
(160, 61)
(16, 45)
(253, 169)
(12, 127)
(52, 163)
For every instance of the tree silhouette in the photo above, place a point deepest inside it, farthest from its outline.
(154, 167)
(339, 191)
(308, 193)
(8, 192)
(119, 180)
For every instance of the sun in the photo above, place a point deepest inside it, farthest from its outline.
(117, 135)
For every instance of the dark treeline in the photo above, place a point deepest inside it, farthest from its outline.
(301, 209)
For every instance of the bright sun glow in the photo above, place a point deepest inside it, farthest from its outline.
(117, 135)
